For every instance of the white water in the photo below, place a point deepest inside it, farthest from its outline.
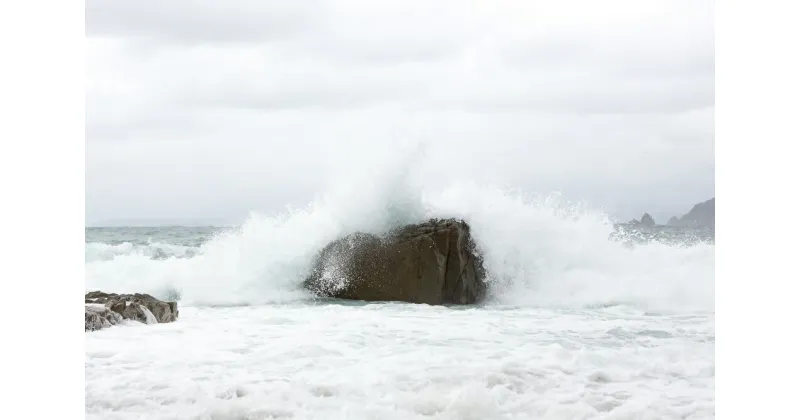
(538, 251)
(98, 251)
(402, 362)
(577, 327)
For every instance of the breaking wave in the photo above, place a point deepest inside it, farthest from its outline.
(100, 251)
(538, 250)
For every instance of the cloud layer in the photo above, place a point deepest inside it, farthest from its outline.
(211, 109)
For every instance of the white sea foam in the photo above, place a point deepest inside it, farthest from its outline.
(541, 251)
(403, 362)
(99, 251)
(150, 319)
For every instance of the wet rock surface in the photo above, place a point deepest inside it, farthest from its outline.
(435, 262)
(106, 309)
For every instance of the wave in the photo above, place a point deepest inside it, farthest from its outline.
(99, 251)
(538, 250)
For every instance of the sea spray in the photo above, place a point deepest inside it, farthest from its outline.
(538, 250)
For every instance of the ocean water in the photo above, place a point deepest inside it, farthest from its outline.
(583, 321)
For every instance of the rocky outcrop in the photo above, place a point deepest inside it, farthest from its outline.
(106, 309)
(647, 220)
(673, 221)
(98, 316)
(434, 262)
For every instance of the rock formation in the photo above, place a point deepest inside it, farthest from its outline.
(647, 220)
(98, 316)
(434, 262)
(106, 309)
(702, 214)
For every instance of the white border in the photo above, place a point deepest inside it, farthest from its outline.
(756, 283)
(42, 175)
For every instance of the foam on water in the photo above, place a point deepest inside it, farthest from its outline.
(99, 251)
(402, 362)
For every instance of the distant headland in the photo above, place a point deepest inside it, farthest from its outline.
(701, 215)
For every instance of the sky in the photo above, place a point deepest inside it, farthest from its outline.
(209, 110)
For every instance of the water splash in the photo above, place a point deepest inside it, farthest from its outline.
(538, 250)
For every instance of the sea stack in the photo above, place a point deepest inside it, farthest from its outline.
(647, 220)
(435, 262)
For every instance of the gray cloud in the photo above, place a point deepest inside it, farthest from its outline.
(199, 21)
(218, 108)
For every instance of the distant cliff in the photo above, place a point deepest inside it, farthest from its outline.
(701, 214)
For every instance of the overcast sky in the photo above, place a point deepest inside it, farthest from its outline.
(201, 109)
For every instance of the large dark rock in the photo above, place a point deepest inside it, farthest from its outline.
(106, 309)
(434, 262)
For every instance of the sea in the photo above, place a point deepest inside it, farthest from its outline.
(586, 319)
